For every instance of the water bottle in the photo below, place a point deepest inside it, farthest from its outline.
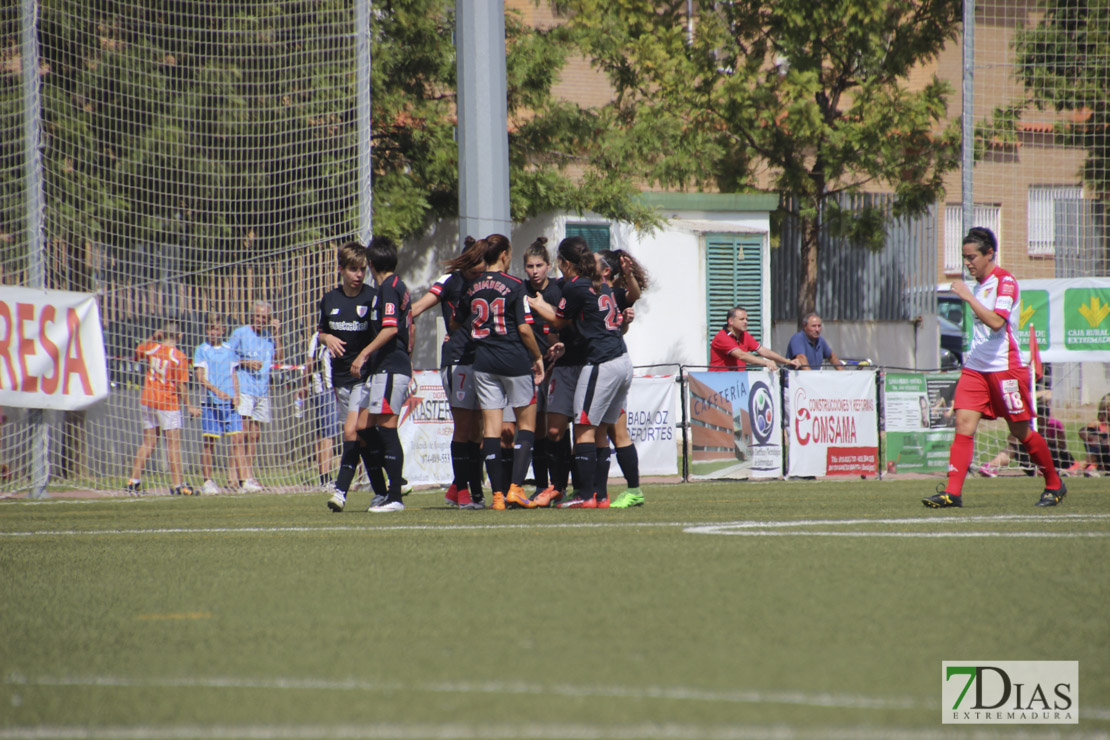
(298, 408)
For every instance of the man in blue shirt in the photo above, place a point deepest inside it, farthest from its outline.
(257, 348)
(809, 348)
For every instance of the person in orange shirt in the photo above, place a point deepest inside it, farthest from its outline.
(165, 391)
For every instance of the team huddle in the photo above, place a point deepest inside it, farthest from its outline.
(521, 361)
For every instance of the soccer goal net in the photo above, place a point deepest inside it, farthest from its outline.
(197, 158)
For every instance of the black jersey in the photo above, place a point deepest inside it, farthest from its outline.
(492, 307)
(458, 348)
(349, 319)
(541, 329)
(394, 309)
(575, 349)
(595, 316)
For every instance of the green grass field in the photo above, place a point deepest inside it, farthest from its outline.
(268, 617)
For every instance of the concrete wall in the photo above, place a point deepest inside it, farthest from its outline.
(670, 325)
(888, 343)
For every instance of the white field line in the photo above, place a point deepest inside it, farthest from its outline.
(537, 731)
(501, 688)
(694, 527)
(802, 528)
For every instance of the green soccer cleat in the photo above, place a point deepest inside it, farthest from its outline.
(629, 498)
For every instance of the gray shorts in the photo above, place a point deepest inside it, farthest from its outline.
(351, 399)
(388, 392)
(500, 392)
(560, 389)
(458, 384)
(602, 391)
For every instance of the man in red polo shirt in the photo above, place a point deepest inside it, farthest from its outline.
(733, 347)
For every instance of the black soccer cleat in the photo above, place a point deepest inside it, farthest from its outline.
(1053, 496)
(942, 500)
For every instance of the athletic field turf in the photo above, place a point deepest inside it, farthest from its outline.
(728, 610)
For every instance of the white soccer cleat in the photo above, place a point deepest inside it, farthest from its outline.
(250, 485)
(337, 501)
(210, 488)
(388, 506)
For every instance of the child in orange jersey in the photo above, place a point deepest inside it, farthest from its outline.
(165, 391)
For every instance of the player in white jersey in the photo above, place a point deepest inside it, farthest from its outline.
(995, 380)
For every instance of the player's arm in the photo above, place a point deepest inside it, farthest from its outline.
(279, 350)
(631, 287)
(529, 340)
(836, 361)
(991, 318)
(428, 300)
(182, 387)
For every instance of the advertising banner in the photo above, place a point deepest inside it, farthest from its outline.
(651, 425)
(51, 350)
(425, 429)
(832, 423)
(735, 424)
(1071, 318)
(919, 421)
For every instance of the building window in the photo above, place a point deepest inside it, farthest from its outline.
(1041, 215)
(596, 235)
(734, 277)
(989, 216)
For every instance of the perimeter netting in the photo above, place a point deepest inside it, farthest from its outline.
(1042, 176)
(198, 157)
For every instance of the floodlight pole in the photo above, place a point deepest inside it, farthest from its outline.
(482, 106)
(365, 224)
(967, 145)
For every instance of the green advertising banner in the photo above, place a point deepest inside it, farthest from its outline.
(1034, 310)
(1071, 317)
(919, 421)
(1087, 319)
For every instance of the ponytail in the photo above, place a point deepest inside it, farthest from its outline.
(575, 251)
(471, 257)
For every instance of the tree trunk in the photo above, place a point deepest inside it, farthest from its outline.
(807, 288)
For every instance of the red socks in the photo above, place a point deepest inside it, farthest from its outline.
(1037, 448)
(959, 460)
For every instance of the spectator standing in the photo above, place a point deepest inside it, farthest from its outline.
(257, 348)
(811, 349)
(214, 363)
(165, 391)
(321, 407)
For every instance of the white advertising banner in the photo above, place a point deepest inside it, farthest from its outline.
(651, 425)
(833, 426)
(51, 349)
(425, 429)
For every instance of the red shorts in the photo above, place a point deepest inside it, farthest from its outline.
(1002, 394)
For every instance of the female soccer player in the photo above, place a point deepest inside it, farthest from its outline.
(588, 304)
(507, 365)
(995, 380)
(537, 264)
(456, 373)
(627, 278)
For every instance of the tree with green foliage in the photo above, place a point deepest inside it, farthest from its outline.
(810, 97)
(206, 127)
(1063, 61)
